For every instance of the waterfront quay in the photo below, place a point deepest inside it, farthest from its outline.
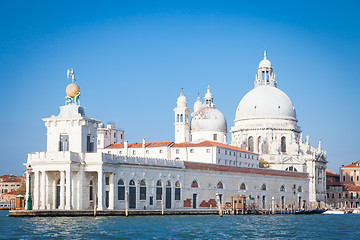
(82, 213)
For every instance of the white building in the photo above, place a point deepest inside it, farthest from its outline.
(75, 171)
(109, 135)
(266, 123)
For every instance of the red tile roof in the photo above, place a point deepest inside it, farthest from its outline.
(139, 145)
(179, 145)
(348, 187)
(210, 144)
(353, 164)
(334, 184)
(255, 171)
(331, 173)
(10, 178)
(11, 193)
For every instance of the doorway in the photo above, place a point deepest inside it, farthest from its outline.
(168, 197)
(194, 200)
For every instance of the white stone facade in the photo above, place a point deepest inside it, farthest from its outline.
(266, 123)
(74, 179)
(109, 135)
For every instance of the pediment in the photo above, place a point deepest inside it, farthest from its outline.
(290, 160)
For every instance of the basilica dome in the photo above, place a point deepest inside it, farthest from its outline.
(208, 118)
(265, 102)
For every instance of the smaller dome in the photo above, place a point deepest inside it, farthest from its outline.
(265, 63)
(208, 118)
(181, 101)
(72, 90)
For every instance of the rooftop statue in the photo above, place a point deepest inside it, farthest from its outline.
(72, 90)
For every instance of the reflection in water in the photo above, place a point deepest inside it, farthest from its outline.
(181, 227)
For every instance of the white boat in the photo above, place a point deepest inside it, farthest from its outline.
(356, 211)
(337, 211)
(4, 205)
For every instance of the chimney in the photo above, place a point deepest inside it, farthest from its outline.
(143, 143)
(126, 147)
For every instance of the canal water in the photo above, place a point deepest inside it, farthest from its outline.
(183, 227)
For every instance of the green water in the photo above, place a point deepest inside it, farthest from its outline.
(183, 227)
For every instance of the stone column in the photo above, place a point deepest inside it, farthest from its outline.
(54, 182)
(36, 190)
(68, 190)
(100, 190)
(62, 189)
(27, 189)
(43, 190)
(111, 191)
(80, 190)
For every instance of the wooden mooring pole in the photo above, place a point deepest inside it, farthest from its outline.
(126, 204)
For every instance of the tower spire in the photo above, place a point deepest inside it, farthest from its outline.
(265, 74)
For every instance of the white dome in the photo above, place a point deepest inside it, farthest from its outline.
(265, 63)
(208, 118)
(181, 101)
(265, 102)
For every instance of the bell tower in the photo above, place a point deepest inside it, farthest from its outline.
(182, 128)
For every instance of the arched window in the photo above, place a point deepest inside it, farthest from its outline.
(181, 118)
(282, 188)
(142, 190)
(220, 185)
(251, 144)
(158, 190)
(299, 189)
(91, 190)
(168, 184)
(263, 187)
(132, 182)
(283, 144)
(177, 118)
(194, 184)
(121, 190)
(291, 169)
(177, 190)
(243, 186)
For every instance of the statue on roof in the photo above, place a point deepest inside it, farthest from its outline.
(72, 90)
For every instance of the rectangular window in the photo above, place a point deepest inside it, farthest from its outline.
(91, 193)
(158, 193)
(160, 151)
(151, 200)
(357, 178)
(215, 137)
(88, 143)
(208, 150)
(344, 178)
(177, 193)
(143, 193)
(351, 178)
(121, 192)
(64, 142)
(339, 195)
(177, 151)
(147, 151)
(191, 150)
(107, 180)
(218, 150)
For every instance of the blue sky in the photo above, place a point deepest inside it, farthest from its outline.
(132, 58)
